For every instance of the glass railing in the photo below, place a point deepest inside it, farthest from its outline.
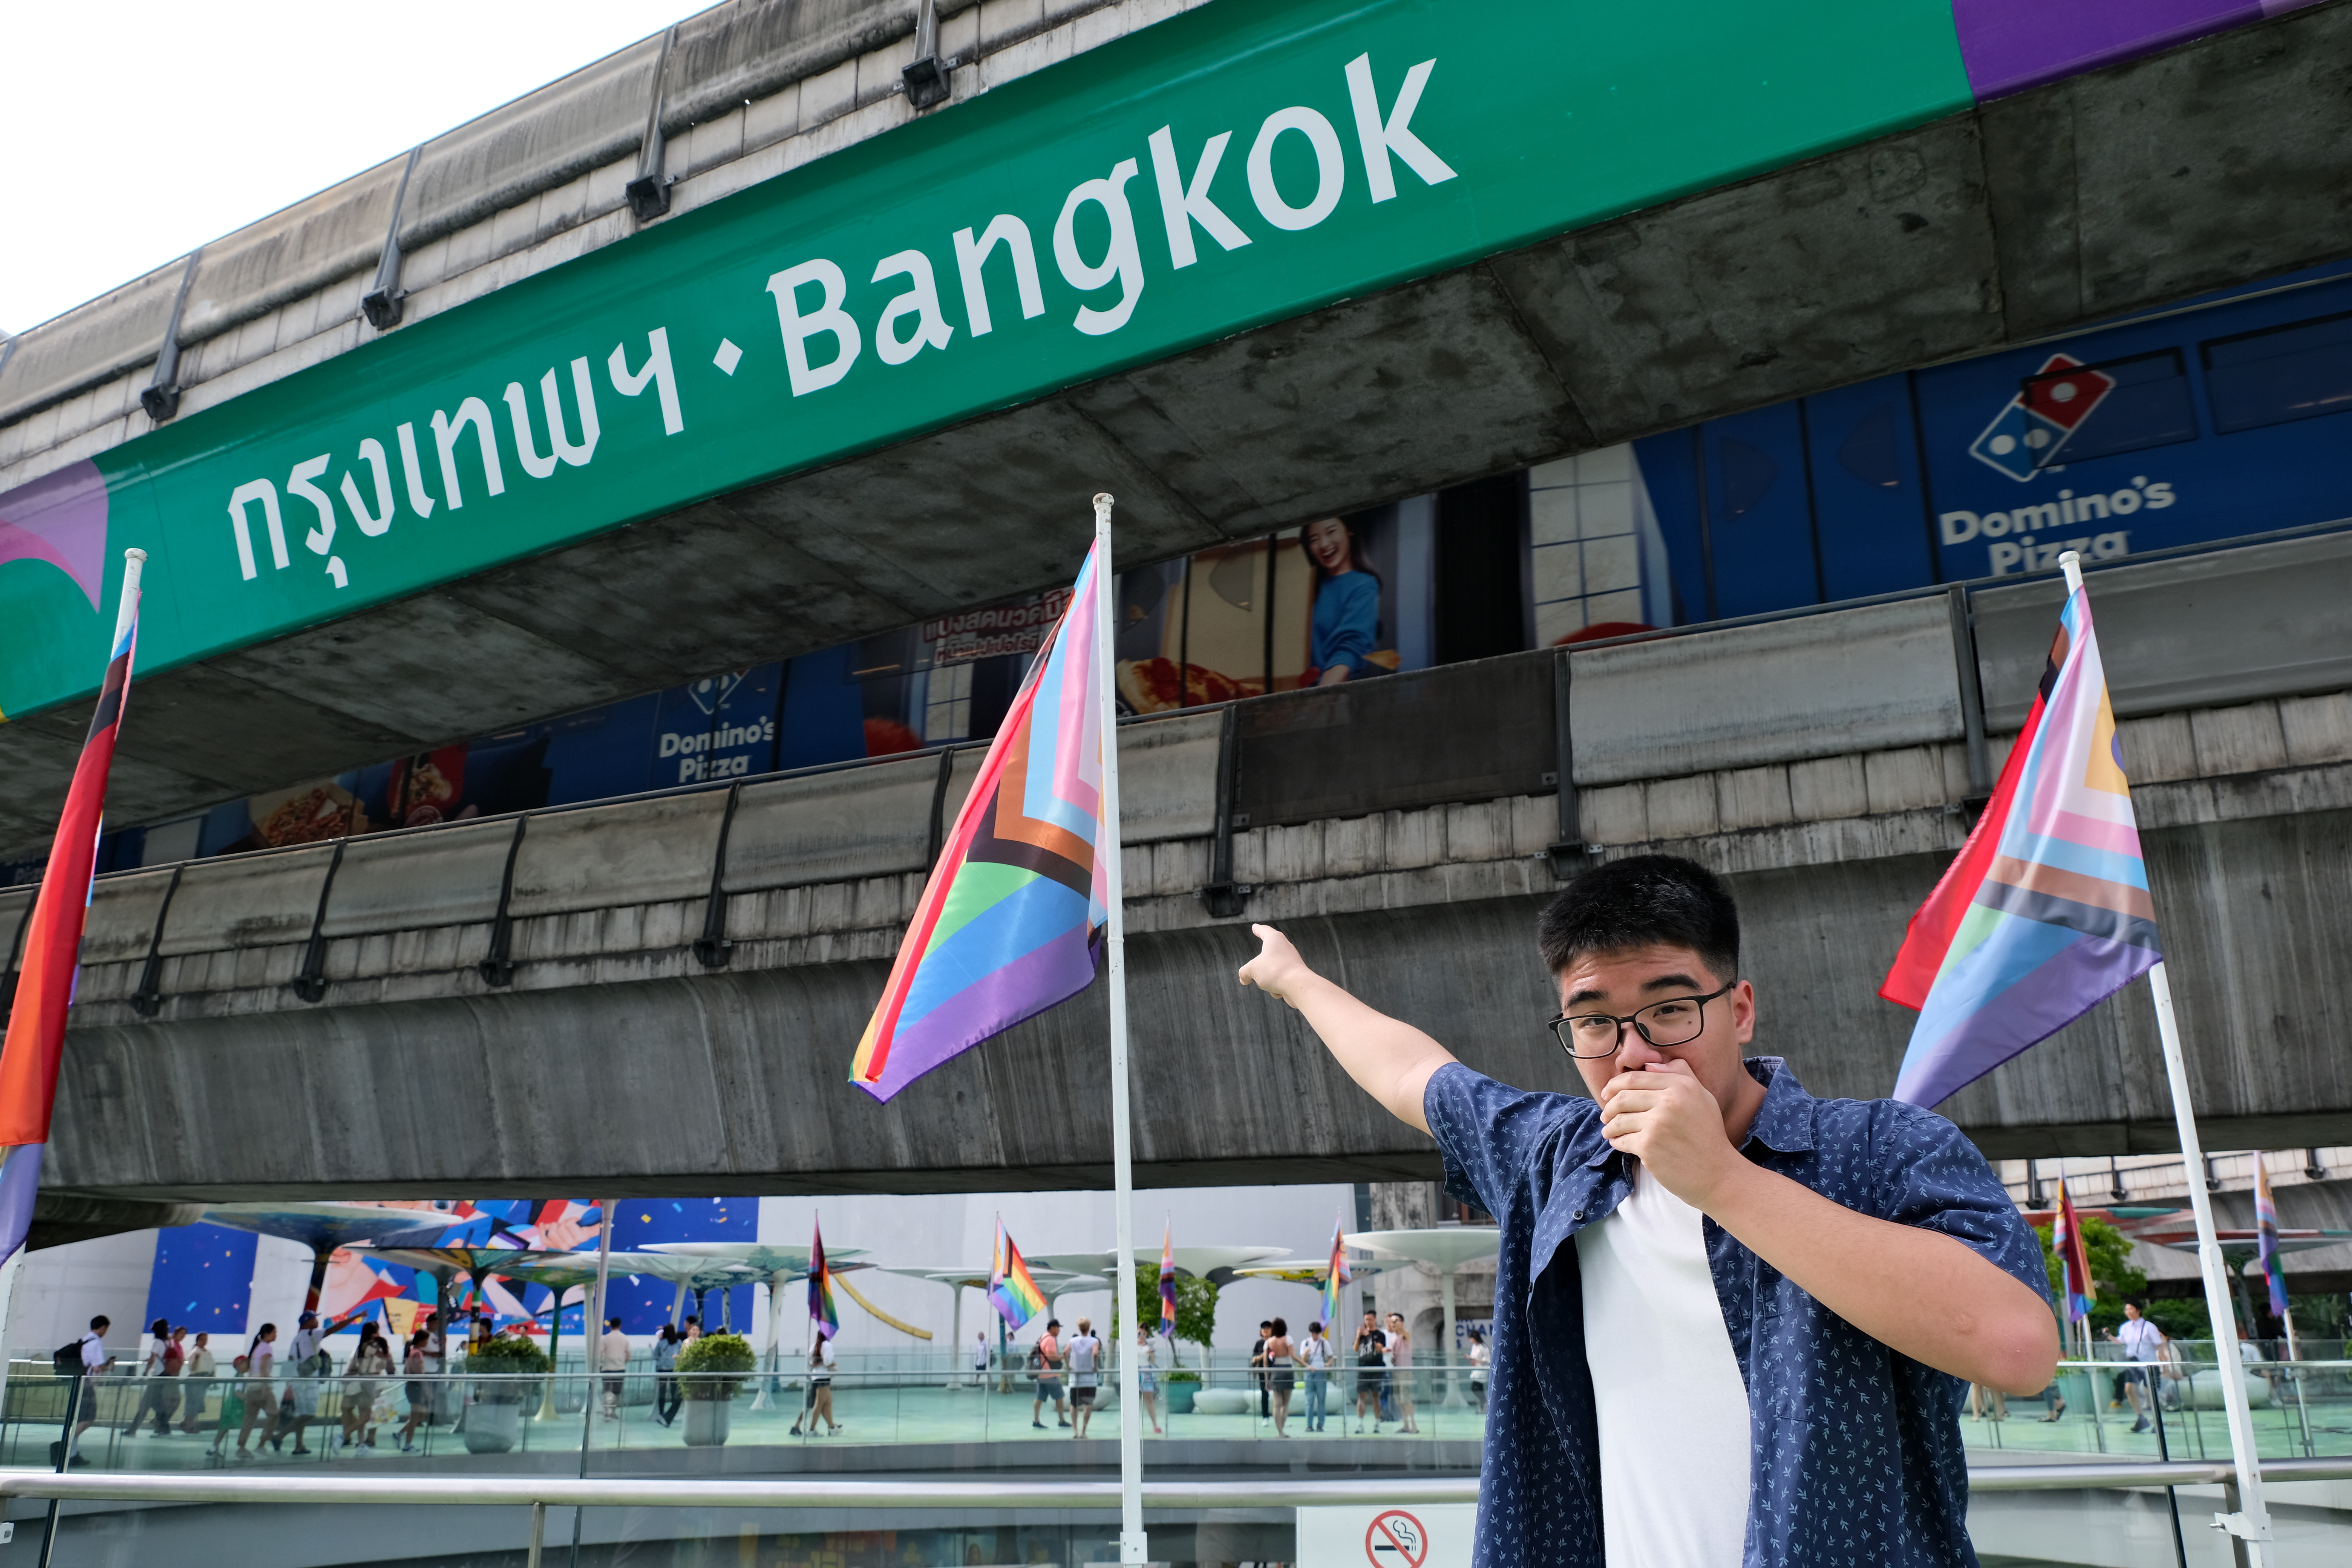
(2171, 1409)
(181, 1424)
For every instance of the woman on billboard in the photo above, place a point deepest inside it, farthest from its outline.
(1346, 624)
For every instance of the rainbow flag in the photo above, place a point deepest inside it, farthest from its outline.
(1014, 1295)
(2046, 912)
(1011, 922)
(822, 1312)
(2073, 1258)
(1168, 1283)
(2266, 1229)
(52, 952)
(1338, 1274)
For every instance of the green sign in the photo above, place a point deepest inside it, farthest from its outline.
(1247, 162)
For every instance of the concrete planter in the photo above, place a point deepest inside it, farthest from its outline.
(706, 1422)
(1180, 1397)
(493, 1428)
(1223, 1402)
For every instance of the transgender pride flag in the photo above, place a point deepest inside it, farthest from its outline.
(1012, 920)
(2046, 912)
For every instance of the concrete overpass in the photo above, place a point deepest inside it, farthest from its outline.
(2128, 188)
(660, 994)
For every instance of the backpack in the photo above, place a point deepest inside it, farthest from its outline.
(67, 1358)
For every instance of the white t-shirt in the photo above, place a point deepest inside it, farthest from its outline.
(1085, 1352)
(1674, 1441)
(2143, 1339)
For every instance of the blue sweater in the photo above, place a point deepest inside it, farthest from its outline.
(1347, 622)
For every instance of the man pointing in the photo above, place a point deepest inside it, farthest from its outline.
(1733, 1323)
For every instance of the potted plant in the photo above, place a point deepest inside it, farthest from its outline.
(1180, 1386)
(494, 1424)
(709, 1370)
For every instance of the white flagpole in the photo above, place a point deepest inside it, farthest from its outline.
(1132, 1544)
(2251, 1522)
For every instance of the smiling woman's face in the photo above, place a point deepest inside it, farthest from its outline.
(1328, 542)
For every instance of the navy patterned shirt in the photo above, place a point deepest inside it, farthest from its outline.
(1857, 1454)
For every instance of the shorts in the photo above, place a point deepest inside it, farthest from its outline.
(416, 1395)
(1283, 1382)
(1082, 1398)
(1050, 1388)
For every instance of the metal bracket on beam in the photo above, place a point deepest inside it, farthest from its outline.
(310, 982)
(1225, 897)
(161, 396)
(1569, 855)
(936, 839)
(648, 193)
(497, 968)
(711, 949)
(926, 79)
(385, 303)
(1971, 692)
(148, 1000)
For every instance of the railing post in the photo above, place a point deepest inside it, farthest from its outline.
(1972, 693)
(310, 981)
(1568, 854)
(712, 949)
(1224, 897)
(497, 968)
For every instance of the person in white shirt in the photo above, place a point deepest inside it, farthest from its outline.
(2143, 1342)
(94, 1363)
(613, 1360)
(260, 1388)
(1314, 1355)
(980, 1358)
(198, 1375)
(1147, 1374)
(819, 1402)
(1085, 1355)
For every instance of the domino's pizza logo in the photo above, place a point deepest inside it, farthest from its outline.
(2025, 437)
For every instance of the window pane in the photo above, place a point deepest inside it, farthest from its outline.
(2297, 372)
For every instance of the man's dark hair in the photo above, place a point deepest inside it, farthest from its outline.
(1641, 899)
(101, 1323)
(2139, 1301)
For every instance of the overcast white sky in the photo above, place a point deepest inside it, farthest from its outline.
(142, 128)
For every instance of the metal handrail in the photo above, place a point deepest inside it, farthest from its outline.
(603, 1491)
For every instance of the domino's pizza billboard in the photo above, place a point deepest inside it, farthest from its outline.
(2209, 421)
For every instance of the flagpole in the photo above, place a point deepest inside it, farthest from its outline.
(1132, 1543)
(2251, 1522)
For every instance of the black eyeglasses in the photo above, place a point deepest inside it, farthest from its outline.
(1673, 1022)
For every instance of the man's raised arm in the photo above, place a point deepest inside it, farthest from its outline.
(1390, 1061)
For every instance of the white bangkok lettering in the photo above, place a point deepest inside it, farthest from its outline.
(629, 383)
(1331, 169)
(971, 257)
(827, 317)
(583, 389)
(264, 492)
(1379, 138)
(446, 433)
(1182, 206)
(413, 473)
(320, 539)
(1121, 259)
(921, 300)
(373, 524)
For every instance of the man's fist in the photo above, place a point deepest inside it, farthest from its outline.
(1277, 970)
(1663, 1117)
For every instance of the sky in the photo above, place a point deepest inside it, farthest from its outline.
(150, 128)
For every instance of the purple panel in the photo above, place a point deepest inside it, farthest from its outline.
(2014, 44)
(59, 517)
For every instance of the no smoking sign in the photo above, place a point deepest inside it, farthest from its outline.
(1396, 1540)
(1425, 1535)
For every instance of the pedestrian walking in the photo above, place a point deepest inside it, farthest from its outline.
(1371, 1352)
(1401, 1372)
(1315, 1355)
(1480, 1357)
(1280, 1376)
(233, 1406)
(1084, 1355)
(88, 1354)
(196, 1376)
(613, 1360)
(667, 1396)
(260, 1388)
(1146, 1375)
(1257, 1369)
(362, 1377)
(1686, 1163)
(1046, 1367)
(159, 1371)
(980, 1359)
(415, 1366)
(2144, 1342)
(819, 1401)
